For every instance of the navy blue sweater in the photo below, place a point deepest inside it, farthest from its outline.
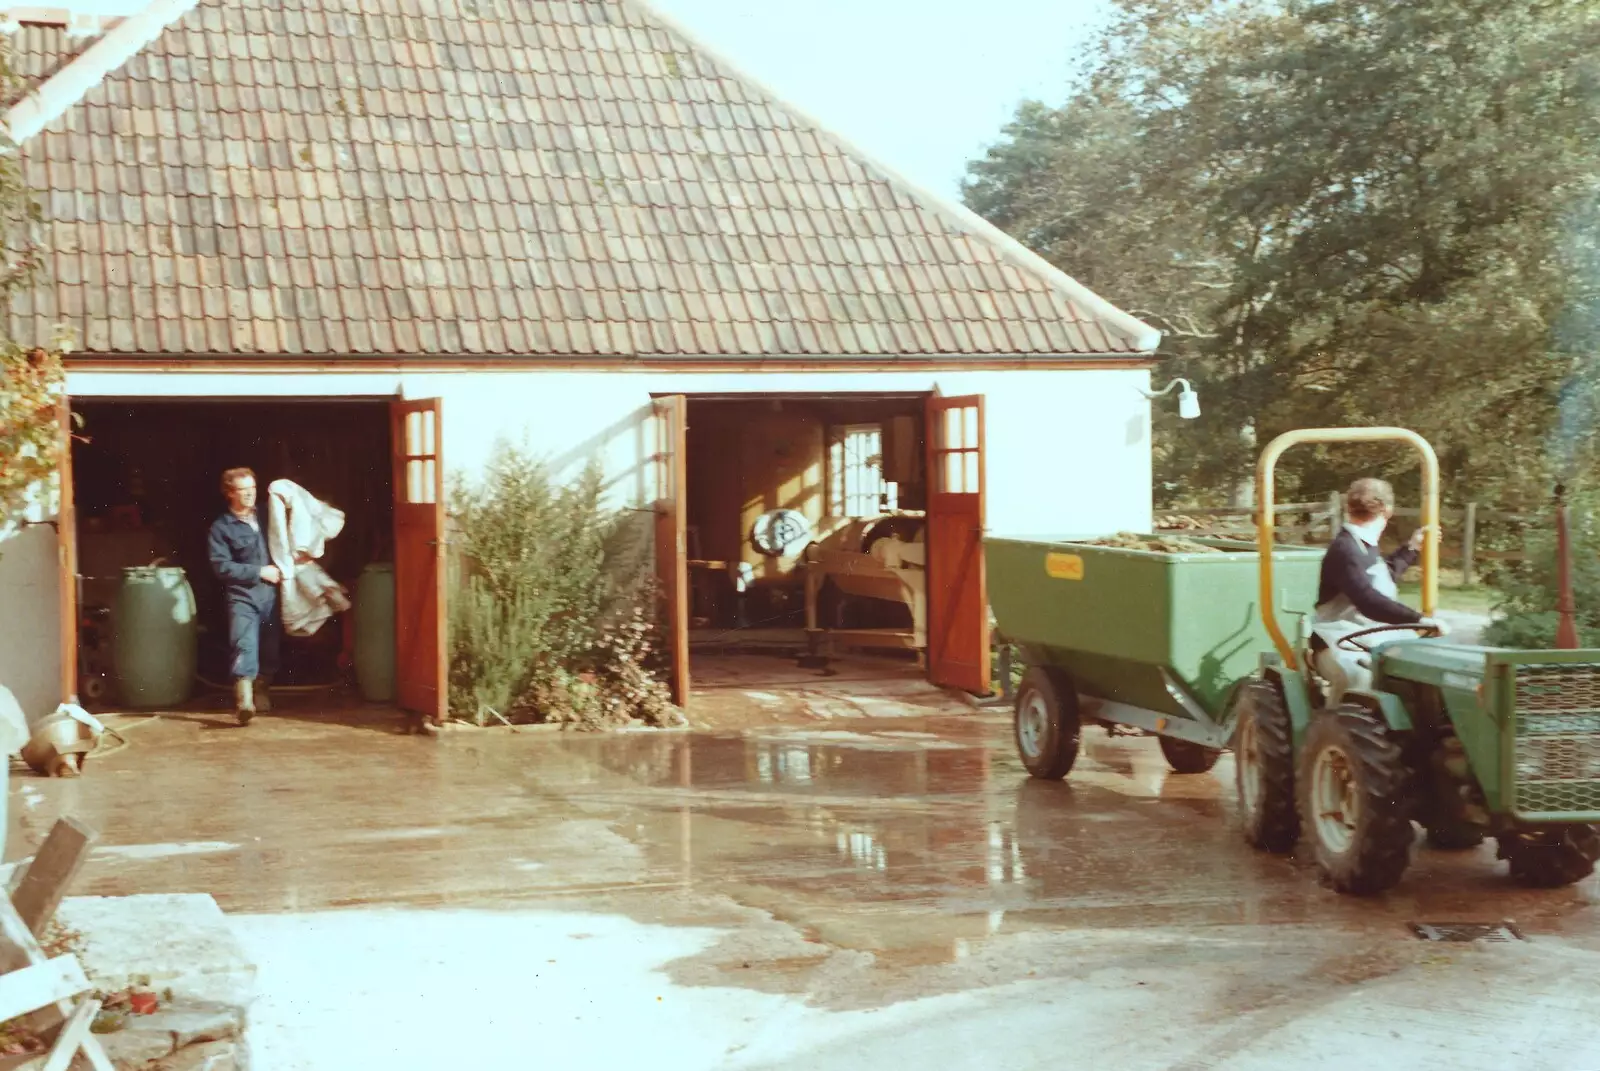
(1345, 572)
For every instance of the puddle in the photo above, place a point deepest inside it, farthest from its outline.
(888, 851)
(162, 851)
(399, 834)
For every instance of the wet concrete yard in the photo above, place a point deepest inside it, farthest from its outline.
(841, 866)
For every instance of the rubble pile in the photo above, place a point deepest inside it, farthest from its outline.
(1162, 544)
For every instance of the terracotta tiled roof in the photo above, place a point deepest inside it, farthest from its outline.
(35, 53)
(534, 177)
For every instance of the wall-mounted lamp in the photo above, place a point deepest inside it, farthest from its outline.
(1188, 400)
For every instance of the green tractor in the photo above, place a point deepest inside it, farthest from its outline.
(1467, 742)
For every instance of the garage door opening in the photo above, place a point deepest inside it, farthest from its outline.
(818, 529)
(145, 489)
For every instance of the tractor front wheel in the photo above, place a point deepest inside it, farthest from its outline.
(1185, 757)
(1263, 757)
(1552, 857)
(1353, 797)
(1047, 726)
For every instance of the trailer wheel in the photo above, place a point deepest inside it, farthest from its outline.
(1551, 857)
(1354, 794)
(1185, 757)
(1046, 723)
(1263, 756)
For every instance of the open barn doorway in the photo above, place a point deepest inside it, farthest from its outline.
(806, 529)
(145, 480)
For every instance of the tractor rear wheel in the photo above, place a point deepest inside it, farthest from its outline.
(1046, 723)
(1185, 757)
(1354, 797)
(1263, 756)
(1551, 857)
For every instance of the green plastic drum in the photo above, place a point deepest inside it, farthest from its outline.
(157, 637)
(374, 623)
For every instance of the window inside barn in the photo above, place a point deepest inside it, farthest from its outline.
(856, 487)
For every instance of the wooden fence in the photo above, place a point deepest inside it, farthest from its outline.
(1319, 522)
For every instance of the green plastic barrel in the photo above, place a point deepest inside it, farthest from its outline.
(157, 637)
(374, 646)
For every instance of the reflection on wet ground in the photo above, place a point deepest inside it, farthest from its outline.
(912, 839)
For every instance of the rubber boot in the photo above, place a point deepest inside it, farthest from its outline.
(244, 700)
(263, 697)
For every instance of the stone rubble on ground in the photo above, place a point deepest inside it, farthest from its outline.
(178, 1037)
(182, 947)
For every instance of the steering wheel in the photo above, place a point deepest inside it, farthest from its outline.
(1347, 643)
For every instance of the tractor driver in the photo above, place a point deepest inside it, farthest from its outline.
(1358, 588)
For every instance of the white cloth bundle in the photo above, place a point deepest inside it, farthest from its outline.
(298, 529)
(14, 731)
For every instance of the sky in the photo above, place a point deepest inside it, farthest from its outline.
(922, 85)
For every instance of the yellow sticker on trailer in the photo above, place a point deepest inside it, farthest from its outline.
(1064, 566)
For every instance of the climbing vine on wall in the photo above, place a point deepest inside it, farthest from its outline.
(30, 368)
(30, 388)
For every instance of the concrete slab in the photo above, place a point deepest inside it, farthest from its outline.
(181, 942)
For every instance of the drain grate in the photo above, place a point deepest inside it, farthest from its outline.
(1493, 932)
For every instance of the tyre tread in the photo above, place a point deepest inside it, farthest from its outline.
(1385, 837)
(1277, 828)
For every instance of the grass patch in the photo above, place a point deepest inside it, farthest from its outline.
(1456, 597)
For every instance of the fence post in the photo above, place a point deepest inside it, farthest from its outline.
(1335, 515)
(1469, 544)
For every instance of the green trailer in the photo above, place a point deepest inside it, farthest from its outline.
(1207, 651)
(1150, 639)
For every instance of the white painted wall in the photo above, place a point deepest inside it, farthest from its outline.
(29, 615)
(1068, 452)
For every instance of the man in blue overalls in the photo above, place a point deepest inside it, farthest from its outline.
(238, 552)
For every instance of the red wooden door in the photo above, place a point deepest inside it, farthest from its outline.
(421, 656)
(672, 556)
(958, 598)
(67, 556)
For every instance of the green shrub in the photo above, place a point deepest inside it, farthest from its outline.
(1526, 615)
(552, 614)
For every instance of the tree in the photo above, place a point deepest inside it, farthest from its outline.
(30, 384)
(30, 374)
(1352, 211)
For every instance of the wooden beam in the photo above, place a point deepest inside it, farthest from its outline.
(72, 1036)
(420, 363)
(19, 951)
(40, 985)
(1469, 545)
(47, 878)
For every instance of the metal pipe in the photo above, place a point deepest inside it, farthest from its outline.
(1265, 515)
(1566, 609)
